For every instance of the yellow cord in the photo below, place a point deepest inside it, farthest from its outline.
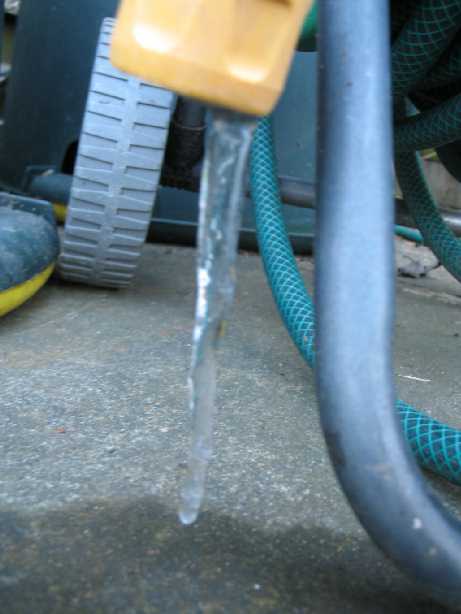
(17, 295)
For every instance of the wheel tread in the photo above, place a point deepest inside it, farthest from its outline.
(116, 175)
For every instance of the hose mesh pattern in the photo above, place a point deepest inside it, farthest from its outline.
(293, 302)
(418, 198)
(422, 41)
(427, 34)
(433, 128)
(436, 446)
(447, 70)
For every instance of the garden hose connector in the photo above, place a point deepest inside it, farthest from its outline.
(228, 53)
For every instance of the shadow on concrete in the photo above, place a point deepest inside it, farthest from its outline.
(134, 557)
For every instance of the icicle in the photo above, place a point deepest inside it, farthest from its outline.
(228, 143)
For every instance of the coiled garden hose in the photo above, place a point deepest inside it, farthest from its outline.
(422, 41)
(420, 203)
(436, 446)
(431, 129)
(447, 70)
(420, 44)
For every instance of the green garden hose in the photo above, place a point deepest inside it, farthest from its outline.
(418, 198)
(422, 41)
(411, 234)
(429, 31)
(432, 128)
(436, 446)
(447, 70)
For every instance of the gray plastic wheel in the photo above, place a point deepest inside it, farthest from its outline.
(117, 172)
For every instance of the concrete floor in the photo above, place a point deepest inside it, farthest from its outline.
(93, 439)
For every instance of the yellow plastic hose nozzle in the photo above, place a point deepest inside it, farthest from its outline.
(229, 53)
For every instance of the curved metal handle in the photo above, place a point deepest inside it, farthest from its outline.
(355, 302)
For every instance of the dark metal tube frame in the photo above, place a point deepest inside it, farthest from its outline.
(355, 302)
